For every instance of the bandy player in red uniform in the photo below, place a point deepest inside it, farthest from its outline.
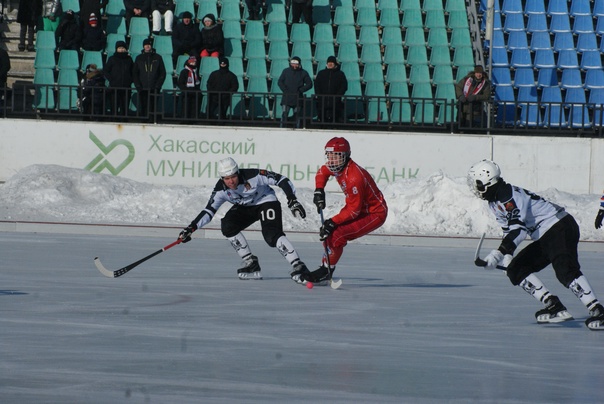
(365, 209)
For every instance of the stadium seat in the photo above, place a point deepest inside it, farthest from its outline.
(351, 70)
(392, 6)
(205, 7)
(373, 72)
(91, 57)
(344, 16)
(254, 49)
(594, 78)
(346, 34)
(559, 23)
(514, 22)
(410, 5)
(521, 58)
(499, 57)
(505, 105)
(598, 9)
(567, 59)
(534, 7)
(115, 8)
(256, 68)
(229, 11)
(537, 23)
(455, 5)
(557, 7)
(163, 45)
(111, 40)
(540, 40)
(45, 40)
(440, 55)
(323, 50)
(366, 17)
(303, 50)
(275, 13)
(583, 24)
(443, 75)
(394, 54)
(512, 7)
(501, 76)
(254, 31)
(578, 116)
(392, 36)
(232, 29)
(563, 41)
(463, 56)
(428, 5)
(323, 32)
(530, 115)
(438, 37)
(139, 26)
(547, 77)
(277, 67)
(371, 54)
(553, 116)
(73, 5)
(68, 60)
(233, 48)
(300, 32)
(278, 50)
(183, 6)
(419, 74)
(414, 36)
(524, 77)
(544, 58)
(395, 73)
(44, 97)
(400, 107)
(417, 55)
(347, 52)
(412, 18)
(45, 59)
(389, 18)
(67, 85)
(591, 60)
(435, 19)
(587, 42)
(460, 37)
(369, 35)
(517, 40)
(459, 19)
(571, 78)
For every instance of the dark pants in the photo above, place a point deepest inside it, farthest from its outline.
(240, 217)
(558, 246)
(221, 103)
(190, 104)
(120, 102)
(146, 102)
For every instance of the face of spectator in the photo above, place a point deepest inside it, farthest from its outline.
(478, 76)
(186, 21)
(331, 65)
(147, 48)
(295, 65)
(121, 49)
(207, 22)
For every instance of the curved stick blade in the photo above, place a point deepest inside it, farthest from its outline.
(335, 284)
(102, 269)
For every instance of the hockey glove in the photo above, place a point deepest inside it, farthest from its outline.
(319, 199)
(599, 218)
(328, 227)
(185, 234)
(506, 260)
(296, 208)
(493, 258)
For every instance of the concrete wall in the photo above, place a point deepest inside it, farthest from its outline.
(186, 155)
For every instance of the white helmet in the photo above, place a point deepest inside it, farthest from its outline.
(483, 175)
(227, 167)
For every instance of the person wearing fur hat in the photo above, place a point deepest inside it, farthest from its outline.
(93, 36)
(330, 86)
(293, 82)
(148, 74)
(92, 92)
(186, 38)
(118, 72)
(212, 37)
(471, 91)
(166, 9)
(189, 83)
(222, 83)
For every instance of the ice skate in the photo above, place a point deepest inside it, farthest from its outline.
(554, 312)
(300, 273)
(596, 320)
(251, 270)
(320, 276)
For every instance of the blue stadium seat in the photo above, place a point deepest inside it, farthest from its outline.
(534, 7)
(514, 22)
(557, 7)
(594, 79)
(537, 23)
(591, 60)
(559, 23)
(578, 116)
(512, 7)
(524, 77)
(571, 78)
(563, 41)
(521, 58)
(540, 40)
(505, 105)
(530, 114)
(553, 116)
(587, 42)
(580, 8)
(567, 59)
(499, 57)
(547, 77)
(517, 40)
(544, 58)
(501, 76)
(583, 24)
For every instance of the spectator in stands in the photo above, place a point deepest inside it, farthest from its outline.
(253, 9)
(471, 91)
(302, 8)
(222, 83)
(163, 8)
(68, 33)
(293, 82)
(118, 72)
(189, 84)
(93, 36)
(136, 8)
(212, 37)
(88, 7)
(28, 14)
(330, 86)
(52, 15)
(186, 38)
(148, 74)
(92, 95)
(4, 69)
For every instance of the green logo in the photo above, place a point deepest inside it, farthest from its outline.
(99, 163)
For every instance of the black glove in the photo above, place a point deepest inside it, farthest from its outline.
(462, 98)
(319, 199)
(599, 218)
(471, 98)
(296, 208)
(185, 234)
(328, 227)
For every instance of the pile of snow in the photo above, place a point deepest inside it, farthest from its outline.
(434, 206)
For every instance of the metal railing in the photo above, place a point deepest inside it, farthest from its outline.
(375, 113)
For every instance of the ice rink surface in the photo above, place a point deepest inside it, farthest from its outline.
(409, 325)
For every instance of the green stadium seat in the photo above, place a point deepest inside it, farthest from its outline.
(419, 74)
(45, 40)
(438, 37)
(366, 16)
(277, 31)
(396, 73)
(373, 72)
(300, 32)
(231, 29)
(412, 18)
(68, 59)
(45, 59)
(417, 55)
(414, 36)
(91, 57)
(254, 49)
(347, 52)
(254, 31)
(323, 50)
(115, 8)
(67, 84)
(394, 54)
(256, 68)
(139, 26)
(369, 35)
(440, 55)
(435, 19)
(392, 36)
(44, 83)
(323, 32)
(205, 7)
(346, 34)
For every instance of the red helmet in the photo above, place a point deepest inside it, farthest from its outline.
(337, 154)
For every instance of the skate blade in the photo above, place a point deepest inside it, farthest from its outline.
(596, 325)
(558, 318)
(250, 276)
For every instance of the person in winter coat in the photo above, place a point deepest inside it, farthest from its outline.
(136, 8)
(93, 92)
(118, 72)
(189, 83)
(222, 83)
(68, 34)
(28, 14)
(186, 38)
(212, 37)
(93, 36)
(302, 8)
(293, 82)
(88, 7)
(51, 16)
(471, 91)
(148, 75)
(330, 85)
(166, 9)
(4, 69)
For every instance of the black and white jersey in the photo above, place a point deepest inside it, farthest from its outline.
(520, 213)
(254, 189)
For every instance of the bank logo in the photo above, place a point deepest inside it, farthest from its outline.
(101, 162)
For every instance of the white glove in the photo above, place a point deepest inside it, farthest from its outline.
(493, 258)
(506, 260)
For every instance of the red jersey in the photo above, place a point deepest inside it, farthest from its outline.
(362, 194)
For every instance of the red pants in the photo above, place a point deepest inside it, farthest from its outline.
(350, 231)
